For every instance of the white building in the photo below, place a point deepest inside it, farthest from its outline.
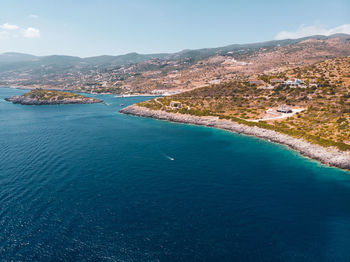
(294, 82)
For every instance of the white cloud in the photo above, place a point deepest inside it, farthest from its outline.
(304, 31)
(31, 32)
(33, 16)
(8, 26)
(13, 31)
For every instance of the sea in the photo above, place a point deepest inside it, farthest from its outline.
(86, 183)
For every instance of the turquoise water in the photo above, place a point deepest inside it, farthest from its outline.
(85, 183)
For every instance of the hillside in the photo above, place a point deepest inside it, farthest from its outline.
(175, 72)
(317, 109)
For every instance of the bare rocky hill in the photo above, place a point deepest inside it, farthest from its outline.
(179, 71)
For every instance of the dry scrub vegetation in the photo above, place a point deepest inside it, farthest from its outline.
(325, 121)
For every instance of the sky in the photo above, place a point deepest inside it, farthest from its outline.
(101, 27)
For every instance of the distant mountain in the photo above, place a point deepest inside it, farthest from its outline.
(207, 52)
(12, 57)
(130, 58)
(19, 61)
(13, 61)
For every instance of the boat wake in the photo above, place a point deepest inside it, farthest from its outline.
(170, 158)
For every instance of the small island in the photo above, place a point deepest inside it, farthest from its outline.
(51, 97)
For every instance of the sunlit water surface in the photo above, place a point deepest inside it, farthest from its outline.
(84, 182)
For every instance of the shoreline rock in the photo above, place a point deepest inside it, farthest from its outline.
(327, 156)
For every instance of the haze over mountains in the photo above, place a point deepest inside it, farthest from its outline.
(186, 69)
(12, 60)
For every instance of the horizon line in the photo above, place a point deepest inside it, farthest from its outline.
(182, 50)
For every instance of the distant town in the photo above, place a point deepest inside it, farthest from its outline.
(167, 74)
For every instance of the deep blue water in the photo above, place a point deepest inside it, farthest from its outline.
(83, 182)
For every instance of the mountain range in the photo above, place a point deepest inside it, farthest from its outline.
(178, 71)
(14, 61)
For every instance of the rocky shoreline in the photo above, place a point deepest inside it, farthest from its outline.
(25, 100)
(328, 156)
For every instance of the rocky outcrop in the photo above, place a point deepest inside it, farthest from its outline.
(27, 100)
(328, 156)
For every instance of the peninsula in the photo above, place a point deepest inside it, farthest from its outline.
(305, 108)
(51, 97)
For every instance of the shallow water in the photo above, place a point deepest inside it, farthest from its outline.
(83, 182)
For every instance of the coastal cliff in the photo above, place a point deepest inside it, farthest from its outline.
(51, 97)
(328, 156)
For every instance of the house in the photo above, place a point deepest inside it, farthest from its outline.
(294, 82)
(175, 105)
(284, 109)
(215, 81)
(266, 87)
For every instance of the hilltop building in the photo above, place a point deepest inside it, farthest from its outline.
(175, 104)
(284, 109)
(294, 82)
(266, 87)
